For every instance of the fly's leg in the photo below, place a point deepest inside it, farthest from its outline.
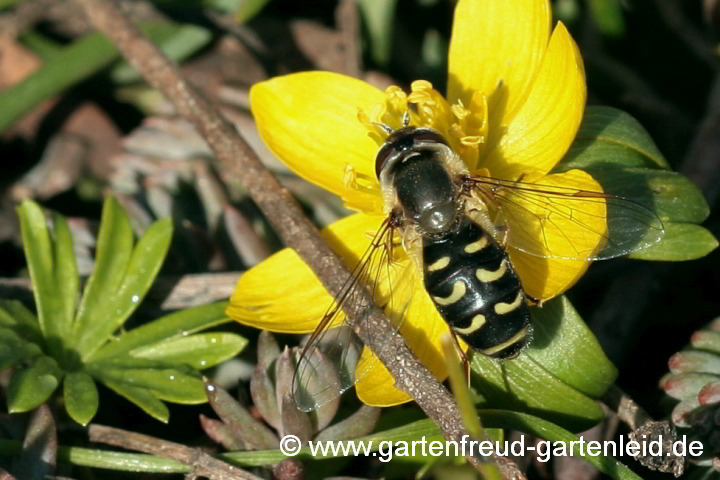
(466, 362)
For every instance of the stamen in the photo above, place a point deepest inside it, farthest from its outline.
(352, 180)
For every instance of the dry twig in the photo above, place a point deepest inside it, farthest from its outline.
(286, 216)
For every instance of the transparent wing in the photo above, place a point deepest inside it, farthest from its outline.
(330, 362)
(567, 216)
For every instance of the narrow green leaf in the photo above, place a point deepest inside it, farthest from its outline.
(39, 254)
(73, 64)
(177, 324)
(66, 277)
(32, 386)
(199, 351)
(15, 316)
(682, 241)
(114, 249)
(564, 346)
(181, 44)
(608, 17)
(609, 127)
(165, 382)
(141, 397)
(247, 9)
(14, 348)
(144, 265)
(94, 458)
(81, 397)
(553, 433)
(40, 45)
(378, 18)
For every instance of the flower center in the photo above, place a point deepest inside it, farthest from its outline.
(464, 126)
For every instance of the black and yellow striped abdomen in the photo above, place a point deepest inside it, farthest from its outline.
(476, 290)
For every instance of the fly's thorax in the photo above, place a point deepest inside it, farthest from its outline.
(415, 172)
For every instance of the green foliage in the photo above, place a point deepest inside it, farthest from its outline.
(378, 18)
(78, 347)
(615, 149)
(65, 67)
(558, 377)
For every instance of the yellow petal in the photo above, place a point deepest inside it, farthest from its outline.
(282, 294)
(541, 131)
(310, 121)
(570, 227)
(497, 41)
(423, 330)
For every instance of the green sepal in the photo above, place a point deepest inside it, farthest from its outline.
(682, 241)
(176, 324)
(166, 382)
(123, 273)
(142, 397)
(200, 351)
(547, 431)
(81, 397)
(52, 271)
(32, 386)
(556, 376)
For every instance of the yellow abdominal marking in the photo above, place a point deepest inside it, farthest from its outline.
(512, 340)
(487, 276)
(477, 245)
(439, 264)
(503, 308)
(477, 322)
(458, 292)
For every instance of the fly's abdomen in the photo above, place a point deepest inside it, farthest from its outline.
(476, 290)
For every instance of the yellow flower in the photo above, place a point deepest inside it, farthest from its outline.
(516, 95)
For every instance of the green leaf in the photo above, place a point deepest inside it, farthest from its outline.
(73, 64)
(609, 135)
(246, 9)
(81, 397)
(114, 249)
(378, 18)
(185, 41)
(177, 324)
(199, 351)
(121, 278)
(14, 348)
(32, 386)
(66, 277)
(553, 433)
(682, 241)
(564, 346)
(45, 260)
(608, 17)
(15, 316)
(164, 381)
(141, 397)
(94, 458)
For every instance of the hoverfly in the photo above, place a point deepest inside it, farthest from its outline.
(457, 227)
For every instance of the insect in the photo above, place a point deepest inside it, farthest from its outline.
(457, 227)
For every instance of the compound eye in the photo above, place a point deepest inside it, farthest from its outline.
(382, 157)
(428, 135)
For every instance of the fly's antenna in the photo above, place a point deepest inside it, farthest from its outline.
(406, 118)
(385, 127)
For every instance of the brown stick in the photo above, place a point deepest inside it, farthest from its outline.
(201, 463)
(286, 216)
